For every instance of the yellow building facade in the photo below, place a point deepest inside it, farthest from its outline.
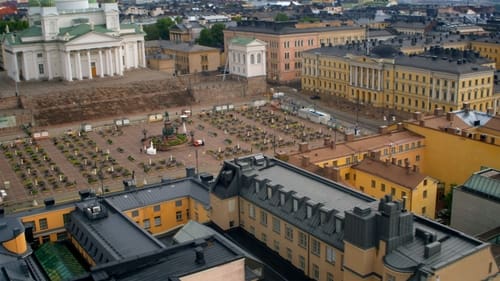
(489, 48)
(387, 80)
(378, 179)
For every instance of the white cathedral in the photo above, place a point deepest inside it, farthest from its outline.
(72, 40)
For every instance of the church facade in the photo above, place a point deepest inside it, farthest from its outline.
(73, 40)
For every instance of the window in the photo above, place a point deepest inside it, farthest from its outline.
(302, 240)
(329, 276)
(276, 245)
(425, 194)
(417, 158)
(330, 254)
(316, 247)
(289, 255)
(178, 203)
(425, 182)
(252, 59)
(373, 183)
(302, 263)
(403, 194)
(263, 217)
(315, 272)
(45, 239)
(382, 187)
(62, 236)
(276, 225)
(39, 55)
(156, 208)
(288, 232)
(147, 224)
(251, 211)
(393, 191)
(157, 221)
(423, 210)
(178, 216)
(66, 218)
(135, 213)
(40, 68)
(258, 58)
(264, 238)
(43, 224)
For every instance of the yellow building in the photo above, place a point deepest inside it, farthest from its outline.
(387, 79)
(378, 179)
(399, 147)
(488, 47)
(457, 144)
(189, 58)
(286, 43)
(331, 232)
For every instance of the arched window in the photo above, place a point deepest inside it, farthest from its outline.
(252, 59)
(258, 58)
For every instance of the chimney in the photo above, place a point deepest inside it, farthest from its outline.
(400, 126)
(190, 172)
(383, 130)
(333, 145)
(200, 257)
(417, 115)
(335, 173)
(349, 137)
(450, 116)
(303, 147)
(16, 231)
(84, 194)
(305, 161)
(49, 202)
(466, 107)
(326, 141)
(438, 111)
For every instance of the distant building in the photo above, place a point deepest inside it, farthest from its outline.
(286, 43)
(413, 28)
(189, 58)
(72, 40)
(488, 47)
(247, 57)
(476, 203)
(185, 32)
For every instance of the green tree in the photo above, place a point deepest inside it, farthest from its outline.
(205, 38)
(164, 26)
(213, 37)
(151, 31)
(14, 25)
(281, 17)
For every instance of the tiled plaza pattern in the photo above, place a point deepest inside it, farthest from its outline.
(67, 162)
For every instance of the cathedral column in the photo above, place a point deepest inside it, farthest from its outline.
(351, 75)
(78, 66)
(25, 67)
(109, 59)
(68, 63)
(101, 66)
(89, 64)
(361, 82)
(355, 76)
(380, 80)
(49, 65)
(16, 67)
(136, 56)
(143, 54)
(120, 60)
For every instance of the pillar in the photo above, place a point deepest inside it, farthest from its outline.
(16, 68)
(49, 66)
(379, 79)
(361, 77)
(25, 67)
(136, 56)
(101, 65)
(68, 62)
(143, 54)
(89, 64)
(355, 76)
(120, 60)
(109, 60)
(79, 66)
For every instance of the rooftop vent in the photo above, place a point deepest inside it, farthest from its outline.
(200, 256)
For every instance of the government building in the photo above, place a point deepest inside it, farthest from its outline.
(72, 40)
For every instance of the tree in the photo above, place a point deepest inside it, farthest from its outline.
(151, 31)
(213, 37)
(159, 30)
(14, 25)
(281, 17)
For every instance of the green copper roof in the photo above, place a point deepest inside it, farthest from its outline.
(242, 40)
(486, 182)
(58, 262)
(34, 3)
(92, 1)
(31, 31)
(48, 3)
(81, 29)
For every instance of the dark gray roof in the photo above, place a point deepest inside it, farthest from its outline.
(285, 28)
(160, 192)
(328, 200)
(178, 46)
(113, 234)
(455, 245)
(421, 61)
(174, 262)
(9, 226)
